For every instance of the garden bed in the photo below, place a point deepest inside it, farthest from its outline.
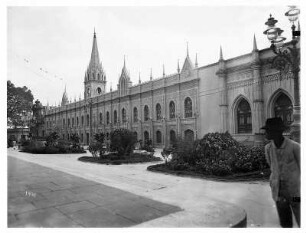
(115, 160)
(248, 176)
(52, 150)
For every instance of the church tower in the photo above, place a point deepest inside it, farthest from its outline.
(95, 79)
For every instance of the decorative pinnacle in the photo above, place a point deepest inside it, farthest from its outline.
(196, 60)
(151, 76)
(221, 54)
(124, 61)
(163, 70)
(139, 81)
(254, 43)
(187, 50)
(94, 32)
(178, 66)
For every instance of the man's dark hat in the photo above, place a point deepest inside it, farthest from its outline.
(275, 123)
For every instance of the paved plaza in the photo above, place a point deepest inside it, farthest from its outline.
(60, 191)
(43, 197)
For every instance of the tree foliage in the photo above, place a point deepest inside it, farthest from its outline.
(75, 139)
(52, 139)
(123, 141)
(19, 103)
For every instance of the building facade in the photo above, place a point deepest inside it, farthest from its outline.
(234, 95)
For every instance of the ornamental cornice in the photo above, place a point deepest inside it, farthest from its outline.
(266, 79)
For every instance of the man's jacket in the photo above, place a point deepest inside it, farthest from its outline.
(285, 165)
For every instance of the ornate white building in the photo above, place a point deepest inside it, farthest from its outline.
(234, 95)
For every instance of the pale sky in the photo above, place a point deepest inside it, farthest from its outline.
(50, 47)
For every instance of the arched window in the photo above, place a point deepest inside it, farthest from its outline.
(136, 135)
(82, 120)
(100, 120)
(77, 121)
(188, 107)
(93, 76)
(115, 117)
(99, 90)
(172, 110)
(87, 120)
(158, 112)
(72, 121)
(146, 113)
(158, 137)
(123, 115)
(172, 137)
(99, 78)
(68, 122)
(244, 117)
(283, 108)
(146, 135)
(135, 113)
(189, 135)
(107, 117)
(64, 123)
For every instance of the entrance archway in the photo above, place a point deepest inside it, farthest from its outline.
(189, 135)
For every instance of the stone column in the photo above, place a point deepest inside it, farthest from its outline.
(222, 74)
(223, 101)
(257, 115)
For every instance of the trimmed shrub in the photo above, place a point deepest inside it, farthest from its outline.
(34, 147)
(97, 149)
(217, 154)
(52, 146)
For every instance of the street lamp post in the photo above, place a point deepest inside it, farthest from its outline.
(288, 57)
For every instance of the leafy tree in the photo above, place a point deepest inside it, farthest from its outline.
(100, 137)
(75, 139)
(19, 103)
(97, 147)
(122, 141)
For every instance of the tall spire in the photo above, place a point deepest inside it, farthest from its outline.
(196, 61)
(178, 66)
(139, 81)
(151, 76)
(163, 70)
(221, 54)
(94, 59)
(254, 44)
